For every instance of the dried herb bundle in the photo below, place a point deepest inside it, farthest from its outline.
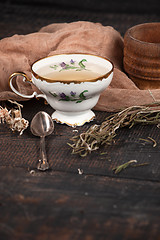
(98, 135)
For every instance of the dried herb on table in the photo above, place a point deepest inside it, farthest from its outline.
(149, 140)
(127, 164)
(98, 135)
(13, 118)
(123, 166)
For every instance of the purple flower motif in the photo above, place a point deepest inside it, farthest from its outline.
(63, 65)
(72, 93)
(72, 62)
(62, 95)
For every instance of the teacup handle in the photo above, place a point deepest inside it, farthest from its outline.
(25, 79)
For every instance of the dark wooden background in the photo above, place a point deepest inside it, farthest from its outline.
(104, 6)
(60, 203)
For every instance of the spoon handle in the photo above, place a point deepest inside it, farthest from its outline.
(43, 164)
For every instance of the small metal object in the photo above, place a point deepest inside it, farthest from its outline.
(42, 125)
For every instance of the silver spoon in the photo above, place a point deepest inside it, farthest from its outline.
(41, 126)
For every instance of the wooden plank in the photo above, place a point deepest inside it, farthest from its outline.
(102, 6)
(23, 151)
(57, 205)
(23, 19)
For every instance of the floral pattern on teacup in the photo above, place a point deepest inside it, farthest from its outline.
(71, 65)
(72, 97)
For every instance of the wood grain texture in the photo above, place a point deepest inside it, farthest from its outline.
(101, 6)
(23, 18)
(141, 55)
(71, 206)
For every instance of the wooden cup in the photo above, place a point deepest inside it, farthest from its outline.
(142, 55)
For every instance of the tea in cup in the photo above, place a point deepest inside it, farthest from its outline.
(70, 83)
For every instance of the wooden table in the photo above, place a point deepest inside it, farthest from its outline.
(61, 203)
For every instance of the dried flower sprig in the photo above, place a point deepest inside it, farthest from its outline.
(149, 140)
(13, 118)
(131, 163)
(98, 135)
(123, 166)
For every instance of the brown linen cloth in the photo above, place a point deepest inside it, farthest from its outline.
(17, 53)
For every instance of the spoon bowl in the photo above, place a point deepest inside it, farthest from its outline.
(42, 125)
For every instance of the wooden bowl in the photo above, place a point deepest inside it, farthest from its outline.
(142, 55)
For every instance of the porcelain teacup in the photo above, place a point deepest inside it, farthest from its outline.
(70, 83)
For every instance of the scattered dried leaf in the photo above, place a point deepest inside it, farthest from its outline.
(131, 163)
(80, 171)
(149, 140)
(123, 166)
